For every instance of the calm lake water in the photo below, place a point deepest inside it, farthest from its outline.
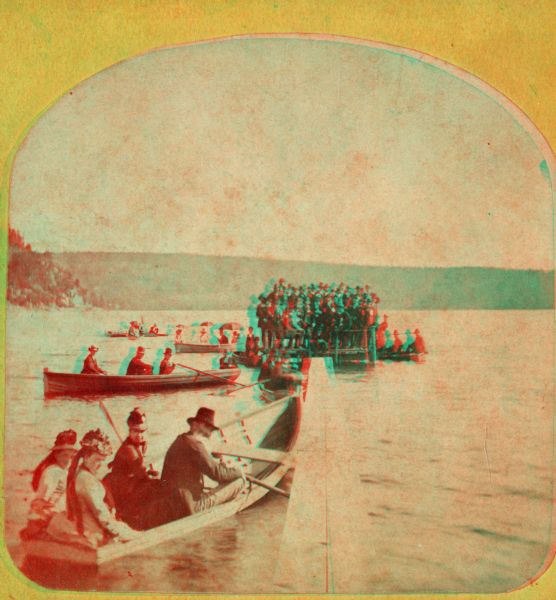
(438, 476)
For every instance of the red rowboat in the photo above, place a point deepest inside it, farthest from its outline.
(80, 384)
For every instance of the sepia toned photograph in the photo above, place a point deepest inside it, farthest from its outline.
(280, 320)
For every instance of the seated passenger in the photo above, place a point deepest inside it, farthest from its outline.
(49, 484)
(419, 343)
(88, 520)
(188, 460)
(204, 336)
(166, 366)
(409, 341)
(389, 342)
(228, 360)
(137, 366)
(90, 365)
(153, 330)
(130, 482)
(223, 339)
(397, 342)
(134, 330)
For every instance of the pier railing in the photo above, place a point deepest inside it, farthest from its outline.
(330, 343)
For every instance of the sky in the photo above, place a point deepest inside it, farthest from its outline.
(286, 148)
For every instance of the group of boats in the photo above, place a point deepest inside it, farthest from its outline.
(268, 456)
(273, 430)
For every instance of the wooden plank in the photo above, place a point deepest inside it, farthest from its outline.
(264, 454)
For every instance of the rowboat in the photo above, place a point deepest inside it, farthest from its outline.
(398, 356)
(273, 430)
(204, 348)
(80, 384)
(125, 334)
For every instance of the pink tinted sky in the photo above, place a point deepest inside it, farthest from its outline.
(286, 148)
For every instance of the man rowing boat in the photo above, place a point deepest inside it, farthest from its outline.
(166, 365)
(90, 365)
(137, 366)
(188, 460)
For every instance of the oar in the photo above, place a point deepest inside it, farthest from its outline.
(210, 375)
(239, 417)
(109, 419)
(248, 386)
(267, 486)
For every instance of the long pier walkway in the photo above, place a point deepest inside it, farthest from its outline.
(322, 539)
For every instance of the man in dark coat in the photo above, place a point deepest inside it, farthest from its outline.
(166, 364)
(137, 366)
(90, 365)
(188, 460)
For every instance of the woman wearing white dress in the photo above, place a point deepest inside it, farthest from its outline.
(49, 483)
(88, 518)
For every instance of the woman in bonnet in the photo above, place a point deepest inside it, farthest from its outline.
(88, 518)
(49, 483)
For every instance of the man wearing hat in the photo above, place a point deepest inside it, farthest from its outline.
(166, 366)
(188, 460)
(137, 366)
(90, 365)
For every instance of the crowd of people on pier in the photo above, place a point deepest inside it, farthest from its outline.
(75, 501)
(322, 316)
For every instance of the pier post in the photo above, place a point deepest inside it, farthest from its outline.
(372, 344)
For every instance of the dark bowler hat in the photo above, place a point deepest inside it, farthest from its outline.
(205, 416)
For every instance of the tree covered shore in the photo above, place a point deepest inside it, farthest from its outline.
(36, 281)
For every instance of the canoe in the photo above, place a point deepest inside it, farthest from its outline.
(203, 348)
(117, 334)
(68, 384)
(268, 460)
